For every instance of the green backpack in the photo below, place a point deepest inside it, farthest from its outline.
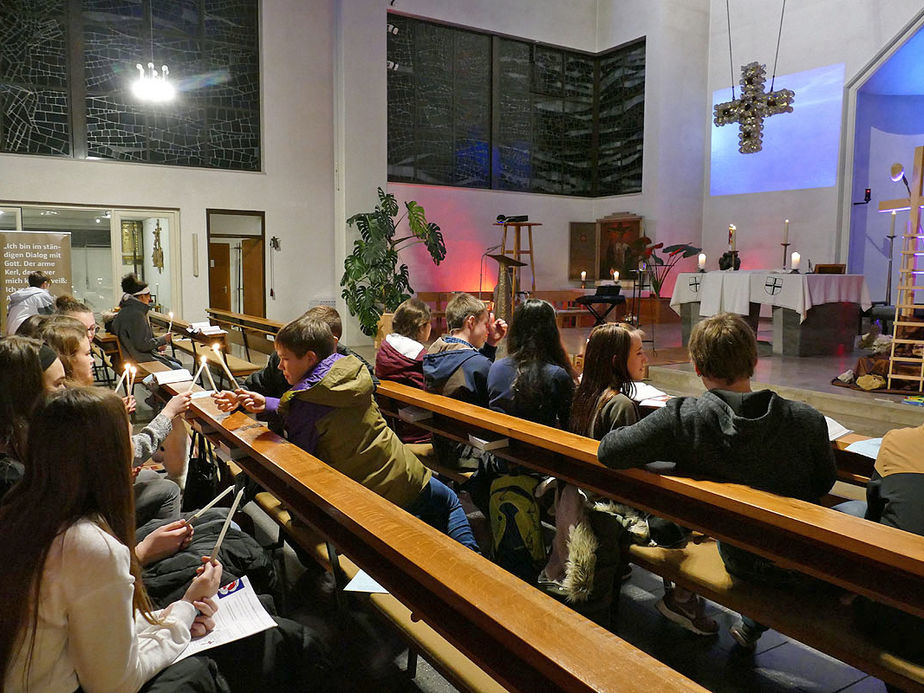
(517, 534)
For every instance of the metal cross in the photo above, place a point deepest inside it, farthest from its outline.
(754, 105)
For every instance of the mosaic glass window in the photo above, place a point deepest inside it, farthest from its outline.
(474, 110)
(211, 47)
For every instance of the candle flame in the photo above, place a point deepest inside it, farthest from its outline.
(203, 360)
(216, 348)
(134, 370)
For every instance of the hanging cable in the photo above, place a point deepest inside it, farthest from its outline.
(778, 36)
(731, 62)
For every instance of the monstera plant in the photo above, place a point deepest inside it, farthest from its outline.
(372, 282)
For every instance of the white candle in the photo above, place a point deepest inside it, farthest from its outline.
(795, 259)
(130, 385)
(211, 504)
(196, 376)
(731, 237)
(615, 275)
(224, 527)
(170, 326)
(208, 372)
(122, 377)
(892, 224)
(584, 272)
(702, 260)
(612, 274)
(221, 360)
(786, 231)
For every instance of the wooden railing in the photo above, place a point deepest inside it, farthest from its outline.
(524, 639)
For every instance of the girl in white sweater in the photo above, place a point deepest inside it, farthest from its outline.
(74, 611)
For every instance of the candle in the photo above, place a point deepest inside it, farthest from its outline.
(795, 259)
(702, 260)
(208, 372)
(224, 527)
(612, 273)
(786, 232)
(211, 504)
(731, 237)
(196, 376)
(170, 326)
(122, 377)
(892, 224)
(221, 360)
(130, 385)
(615, 275)
(584, 272)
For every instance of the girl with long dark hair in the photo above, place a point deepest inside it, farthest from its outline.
(75, 612)
(536, 380)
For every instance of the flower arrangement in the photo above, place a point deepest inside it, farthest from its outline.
(657, 267)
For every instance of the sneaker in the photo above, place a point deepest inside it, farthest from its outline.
(745, 636)
(691, 615)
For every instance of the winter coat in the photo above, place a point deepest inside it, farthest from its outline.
(132, 327)
(270, 382)
(331, 413)
(554, 407)
(454, 368)
(400, 360)
(24, 303)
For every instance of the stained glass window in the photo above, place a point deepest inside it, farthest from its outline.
(470, 109)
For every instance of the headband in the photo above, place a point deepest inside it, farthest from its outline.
(47, 356)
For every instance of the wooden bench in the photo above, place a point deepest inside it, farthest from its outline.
(879, 562)
(249, 331)
(523, 639)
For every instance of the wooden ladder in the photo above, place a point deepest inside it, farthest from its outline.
(906, 360)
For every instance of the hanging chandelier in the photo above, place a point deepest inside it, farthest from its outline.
(151, 85)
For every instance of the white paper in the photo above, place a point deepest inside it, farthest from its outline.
(171, 376)
(645, 391)
(867, 448)
(239, 615)
(363, 582)
(835, 430)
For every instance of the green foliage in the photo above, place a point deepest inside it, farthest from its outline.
(372, 281)
(660, 267)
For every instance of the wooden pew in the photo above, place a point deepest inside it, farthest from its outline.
(249, 331)
(524, 639)
(865, 558)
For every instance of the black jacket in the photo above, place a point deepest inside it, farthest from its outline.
(132, 327)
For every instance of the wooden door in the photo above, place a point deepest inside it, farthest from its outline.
(252, 277)
(220, 276)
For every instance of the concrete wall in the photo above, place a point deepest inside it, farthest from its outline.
(816, 33)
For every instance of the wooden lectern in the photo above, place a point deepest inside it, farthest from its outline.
(505, 291)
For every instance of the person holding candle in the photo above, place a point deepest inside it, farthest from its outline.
(133, 328)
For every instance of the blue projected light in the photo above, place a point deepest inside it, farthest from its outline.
(800, 148)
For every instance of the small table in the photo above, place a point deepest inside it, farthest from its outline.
(609, 301)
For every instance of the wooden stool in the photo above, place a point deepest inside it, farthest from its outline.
(517, 251)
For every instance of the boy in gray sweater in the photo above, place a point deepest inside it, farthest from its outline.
(733, 434)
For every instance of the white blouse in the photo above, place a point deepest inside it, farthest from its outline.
(88, 634)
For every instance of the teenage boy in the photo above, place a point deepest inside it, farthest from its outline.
(456, 365)
(33, 300)
(270, 382)
(732, 434)
(329, 411)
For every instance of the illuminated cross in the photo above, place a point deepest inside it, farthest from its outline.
(754, 105)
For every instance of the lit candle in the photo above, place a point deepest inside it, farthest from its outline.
(217, 349)
(170, 326)
(122, 377)
(208, 372)
(731, 237)
(130, 384)
(702, 260)
(224, 527)
(892, 224)
(786, 232)
(615, 275)
(612, 274)
(584, 272)
(795, 259)
(196, 376)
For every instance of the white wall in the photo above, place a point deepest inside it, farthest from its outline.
(295, 188)
(158, 280)
(816, 33)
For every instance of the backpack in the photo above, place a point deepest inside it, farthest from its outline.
(517, 534)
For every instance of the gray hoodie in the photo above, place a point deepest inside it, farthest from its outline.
(24, 303)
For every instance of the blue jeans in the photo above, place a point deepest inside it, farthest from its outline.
(439, 506)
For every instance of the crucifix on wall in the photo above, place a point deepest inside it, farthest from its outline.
(754, 105)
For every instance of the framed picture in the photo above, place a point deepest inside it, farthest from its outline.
(616, 234)
(582, 250)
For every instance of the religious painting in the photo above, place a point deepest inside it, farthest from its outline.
(617, 233)
(582, 251)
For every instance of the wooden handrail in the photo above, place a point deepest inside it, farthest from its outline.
(520, 636)
(880, 562)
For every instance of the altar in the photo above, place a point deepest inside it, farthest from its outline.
(813, 314)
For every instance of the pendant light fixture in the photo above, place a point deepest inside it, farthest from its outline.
(152, 86)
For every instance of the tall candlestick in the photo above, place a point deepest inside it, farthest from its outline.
(786, 231)
(731, 237)
(796, 259)
(702, 261)
(221, 360)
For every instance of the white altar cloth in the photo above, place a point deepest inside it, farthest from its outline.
(726, 291)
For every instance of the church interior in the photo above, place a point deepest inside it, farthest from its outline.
(653, 163)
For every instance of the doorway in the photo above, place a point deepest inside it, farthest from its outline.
(237, 258)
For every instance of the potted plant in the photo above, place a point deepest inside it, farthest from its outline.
(372, 281)
(646, 257)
